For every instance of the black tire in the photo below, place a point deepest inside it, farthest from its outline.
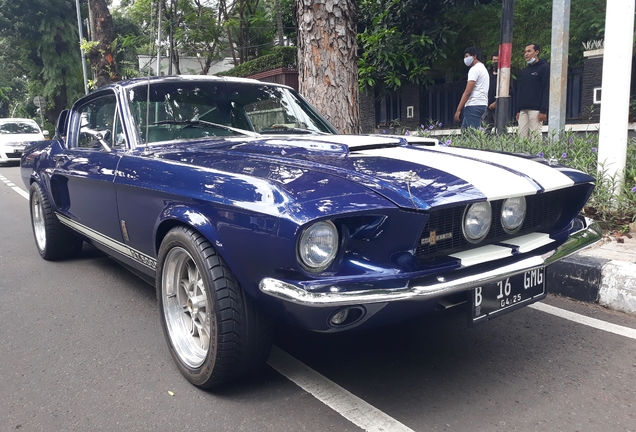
(214, 331)
(53, 240)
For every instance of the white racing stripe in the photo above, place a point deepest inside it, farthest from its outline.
(548, 177)
(351, 407)
(582, 319)
(492, 181)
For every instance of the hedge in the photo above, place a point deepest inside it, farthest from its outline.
(280, 57)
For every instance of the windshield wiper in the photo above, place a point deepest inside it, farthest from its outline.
(203, 123)
(290, 130)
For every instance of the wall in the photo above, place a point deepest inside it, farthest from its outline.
(592, 78)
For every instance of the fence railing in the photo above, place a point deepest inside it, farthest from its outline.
(439, 102)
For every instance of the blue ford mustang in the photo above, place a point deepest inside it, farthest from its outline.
(242, 205)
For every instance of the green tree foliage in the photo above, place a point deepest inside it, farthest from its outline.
(202, 28)
(13, 96)
(289, 20)
(252, 24)
(130, 38)
(399, 41)
(46, 45)
(101, 53)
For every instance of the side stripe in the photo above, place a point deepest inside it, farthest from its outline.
(110, 243)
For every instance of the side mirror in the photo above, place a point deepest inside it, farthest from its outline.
(62, 124)
(45, 133)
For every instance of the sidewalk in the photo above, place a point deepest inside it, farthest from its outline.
(604, 273)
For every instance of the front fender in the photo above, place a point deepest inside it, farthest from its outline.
(180, 214)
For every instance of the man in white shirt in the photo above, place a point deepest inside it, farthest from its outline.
(475, 98)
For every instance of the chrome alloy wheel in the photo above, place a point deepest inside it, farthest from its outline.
(38, 221)
(186, 307)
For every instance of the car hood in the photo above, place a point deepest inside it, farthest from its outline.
(411, 172)
(21, 139)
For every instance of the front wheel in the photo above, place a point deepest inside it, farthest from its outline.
(53, 240)
(214, 331)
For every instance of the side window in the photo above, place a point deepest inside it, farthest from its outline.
(119, 137)
(99, 123)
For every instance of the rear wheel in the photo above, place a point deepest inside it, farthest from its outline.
(214, 331)
(53, 240)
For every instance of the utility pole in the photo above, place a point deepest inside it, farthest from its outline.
(503, 74)
(81, 36)
(617, 66)
(159, 39)
(171, 36)
(559, 67)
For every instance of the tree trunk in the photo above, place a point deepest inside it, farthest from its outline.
(223, 7)
(279, 24)
(327, 60)
(101, 57)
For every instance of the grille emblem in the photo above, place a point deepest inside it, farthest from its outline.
(433, 238)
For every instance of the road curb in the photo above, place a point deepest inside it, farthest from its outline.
(610, 283)
(618, 286)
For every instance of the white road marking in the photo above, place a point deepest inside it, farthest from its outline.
(13, 186)
(331, 394)
(582, 319)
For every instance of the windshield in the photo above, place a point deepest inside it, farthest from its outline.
(200, 109)
(19, 128)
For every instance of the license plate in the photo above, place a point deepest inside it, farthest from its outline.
(497, 298)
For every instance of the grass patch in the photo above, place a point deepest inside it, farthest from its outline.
(579, 151)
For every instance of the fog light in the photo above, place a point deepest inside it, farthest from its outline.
(340, 317)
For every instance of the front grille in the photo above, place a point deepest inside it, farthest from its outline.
(443, 234)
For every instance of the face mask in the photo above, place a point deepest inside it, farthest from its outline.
(468, 61)
(495, 66)
(532, 60)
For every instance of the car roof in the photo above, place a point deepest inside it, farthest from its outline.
(17, 120)
(186, 78)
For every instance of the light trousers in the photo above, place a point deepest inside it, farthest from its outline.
(529, 123)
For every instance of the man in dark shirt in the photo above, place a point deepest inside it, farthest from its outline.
(488, 119)
(533, 96)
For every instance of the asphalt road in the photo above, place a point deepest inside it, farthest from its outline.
(81, 349)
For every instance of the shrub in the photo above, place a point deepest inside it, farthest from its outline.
(280, 57)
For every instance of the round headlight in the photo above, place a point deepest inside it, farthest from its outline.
(318, 245)
(513, 213)
(477, 221)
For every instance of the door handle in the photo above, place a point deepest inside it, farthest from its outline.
(61, 158)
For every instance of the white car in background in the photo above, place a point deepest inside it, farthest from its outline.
(15, 134)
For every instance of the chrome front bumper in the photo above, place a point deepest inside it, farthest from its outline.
(430, 287)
